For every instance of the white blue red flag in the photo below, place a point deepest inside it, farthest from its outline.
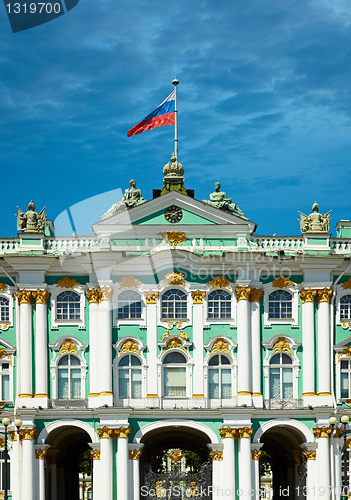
(161, 116)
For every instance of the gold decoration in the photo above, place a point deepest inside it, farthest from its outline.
(41, 454)
(173, 343)
(41, 296)
(104, 432)
(151, 297)
(256, 294)
(325, 295)
(297, 458)
(24, 296)
(27, 434)
(308, 295)
(2, 442)
(245, 432)
(310, 454)
(348, 443)
(322, 432)
(121, 432)
(174, 279)
(282, 282)
(3, 287)
(68, 346)
(219, 282)
(220, 345)
(281, 344)
(216, 455)
(183, 335)
(347, 284)
(106, 293)
(198, 296)
(134, 454)
(166, 335)
(129, 345)
(176, 456)
(95, 454)
(4, 326)
(346, 351)
(243, 293)
(337, 433)
(256, 454)
(12, 435)
(175, 238)
(129, 282)
(67, 282)
(229, 432)
(94, 295)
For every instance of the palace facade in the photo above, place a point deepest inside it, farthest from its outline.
(175, 328)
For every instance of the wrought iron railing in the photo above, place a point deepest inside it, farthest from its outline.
(68, 403)
(282, 404)
(176, 403)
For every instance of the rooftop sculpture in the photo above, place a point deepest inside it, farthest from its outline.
(31, 221)
(315, 222)
(219, 199)
(131, 198)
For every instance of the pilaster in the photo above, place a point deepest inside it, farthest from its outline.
(255, 296)
(324, 297)
(24, 298)
(198, 343)
(307, 296)
(105, 347)
(151, 314)
(134, 453)
(244, 345)
(94, 341)
(41, 341)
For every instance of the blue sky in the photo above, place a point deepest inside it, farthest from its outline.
(264, 106)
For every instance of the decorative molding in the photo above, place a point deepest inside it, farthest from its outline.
(134, 454)
(243, 293)
(67, 282)
(174, 279)
(346, 352)
(94, 295)
(106, 293)
(27, 434)
(3, 287)
(256, 454)
(173, 343)
(220, 345)
(129, 345)
(2, 442)
(6, 355)
(310, 454)
(68, 346)
(175, 456)
(219, 282)
(121, 432)
(198, 296)
(320, 432)
(24, 296)
(308, 295)
(95, 454)
(5, 326)
(256, 294)
(282, 282)
(216, 455)
(325, 295)
(347, 284)
(174, 238)
(245, 432)
(41, 454)
(151, 296)
(281, 345)
(104, 432)
(41, 296)
(12, 435)
(229, 432)
(129, 282)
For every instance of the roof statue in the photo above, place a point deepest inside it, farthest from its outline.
(173, 177)
(131, 198)
(31, 221)
(219, 199)
(315, 222)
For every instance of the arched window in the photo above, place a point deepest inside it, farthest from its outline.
(345, 307)
(345, 378)
(5, 381)
(4, 309)
(174, 375)
(129, 305)
(219, 377)
(280, 305)
(68, 305)
(219, 304)
(129, 377)
(280, 377)
(174, 304)
(69, 377)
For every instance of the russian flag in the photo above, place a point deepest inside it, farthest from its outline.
(161, 116)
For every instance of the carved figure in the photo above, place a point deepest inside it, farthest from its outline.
(176, 456)
(31, 221)
(219, 199)
(131, 198)
(315, 222)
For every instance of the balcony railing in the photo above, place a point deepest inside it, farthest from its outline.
(68, 403)
(283, 404)
(176, 403)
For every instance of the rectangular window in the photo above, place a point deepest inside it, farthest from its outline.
(136, 383)
(344, 385)
(123, 384)
(63, 384)
(75, 384)
(287, 386)
(213, 383)
(5, 387)
(274, 382)
(226, 384)
(175, 382)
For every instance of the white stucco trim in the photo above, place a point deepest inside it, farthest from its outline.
(306, 433)
(64, 422)
(159, 424)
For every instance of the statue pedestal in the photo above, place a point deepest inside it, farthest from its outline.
(31, 242)
(316, 242)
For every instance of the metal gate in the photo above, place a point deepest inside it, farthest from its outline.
(176, 484)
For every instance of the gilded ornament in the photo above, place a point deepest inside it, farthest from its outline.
(348, 443)
(245, 432)
(347, 284)
(315, 222)
(281, 344)
(183, 335)
(256, 294)
(216, 455)
(121, 432)
(198, 296)
(134, 454)
(218, 282)
(175, 456)
(129, 282)
(174, 279)
(173, 343)
(3, 287)
(166, 335)
(68, 346)
(41, 454)
(325, 295)
(256, 454)
(176, 238)
(94, 295)
(2, 442)
(24, 296)
(229, 432)
(67, 282)
(297, 458)
(151, 296)
(4, 326)
(95, 454)
(322, 432)
(41, 296)
(104, 432)
(337, 433)
(282, 282)
(106, 293)
(310, 454)
(27, 434)
(346, 352)
(129, 345)
(308, 295)
(220, 345)
(243, 293)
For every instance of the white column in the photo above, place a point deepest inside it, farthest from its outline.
(244, 345)
(198, 344)
(217, 465)
(311, 483)
(15, 474)
(256, 294)
(122, 462)
(105, 347)
(228, 484)
(255, 470)
(41, 343)
(337, 461)
(95, 452)
(324, 375)
(105, 480)
(28, 457)
(245, 462)
(135, 451)
(322, 435)
(41, 452)
(25, 354)
(94, 340)
(308, 353)
(151, 314)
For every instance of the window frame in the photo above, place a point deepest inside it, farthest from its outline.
(233, 365)
(56, 323)
(8, 358)
(186, 302)
(280, 366)
(294, 320)
(117, 346)
(69, 368)
(127, 321)
(128, 368)
(188, 365)
(220, 367)
(232, 319)
(340, 292)
(8, 295)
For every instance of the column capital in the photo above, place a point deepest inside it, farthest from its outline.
(41, 296)
(337, 433)
(216, 455)
(310, 454)
(256, 454)
(245, 432)
(93, 295)
(322, 432)
(151, 296)
(308, 295)
(27, 434)
(243, 293)
(198, 296)
(41, 454)
(24, 296)
(325, 295)
(104, 432)
(106, 293)
(121, 432)
(229, 432)
(256, 294)
(134, 454)
(95, 454)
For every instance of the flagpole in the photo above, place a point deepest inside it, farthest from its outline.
(175, 83)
